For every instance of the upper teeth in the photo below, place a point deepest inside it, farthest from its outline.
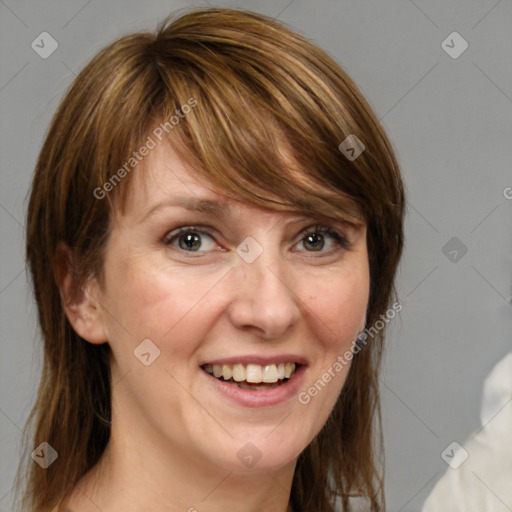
(252, 372)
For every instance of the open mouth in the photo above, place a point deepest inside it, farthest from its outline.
(252, 376)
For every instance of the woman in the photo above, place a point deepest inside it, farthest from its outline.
(215, 219)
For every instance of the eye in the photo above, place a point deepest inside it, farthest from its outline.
(189, 238)
(315, 238)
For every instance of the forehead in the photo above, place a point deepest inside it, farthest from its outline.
(166, 177)
(164, 174)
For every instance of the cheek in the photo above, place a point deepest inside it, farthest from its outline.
(338, 307)
(148, 301)
(337, 315)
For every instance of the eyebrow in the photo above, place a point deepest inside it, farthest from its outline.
(219, 209)
(194, 204)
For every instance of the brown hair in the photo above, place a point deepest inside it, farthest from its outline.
(253, 87)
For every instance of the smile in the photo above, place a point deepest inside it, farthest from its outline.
(252, 376)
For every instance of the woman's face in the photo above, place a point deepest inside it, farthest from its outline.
(240, 292)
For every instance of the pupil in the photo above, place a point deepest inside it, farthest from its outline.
(316, 239)
(191, 241)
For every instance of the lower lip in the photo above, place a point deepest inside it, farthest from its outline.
(261, 398)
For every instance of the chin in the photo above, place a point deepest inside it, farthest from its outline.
(259, 454)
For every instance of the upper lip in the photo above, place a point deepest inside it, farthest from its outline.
(258, 359)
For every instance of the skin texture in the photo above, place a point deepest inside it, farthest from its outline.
(175, 438)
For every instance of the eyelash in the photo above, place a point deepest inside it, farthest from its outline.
(340, 240)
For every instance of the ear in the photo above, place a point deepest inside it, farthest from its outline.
(82, 307)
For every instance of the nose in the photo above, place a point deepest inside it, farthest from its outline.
(265, 298)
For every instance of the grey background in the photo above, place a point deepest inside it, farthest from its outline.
(450, 123)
